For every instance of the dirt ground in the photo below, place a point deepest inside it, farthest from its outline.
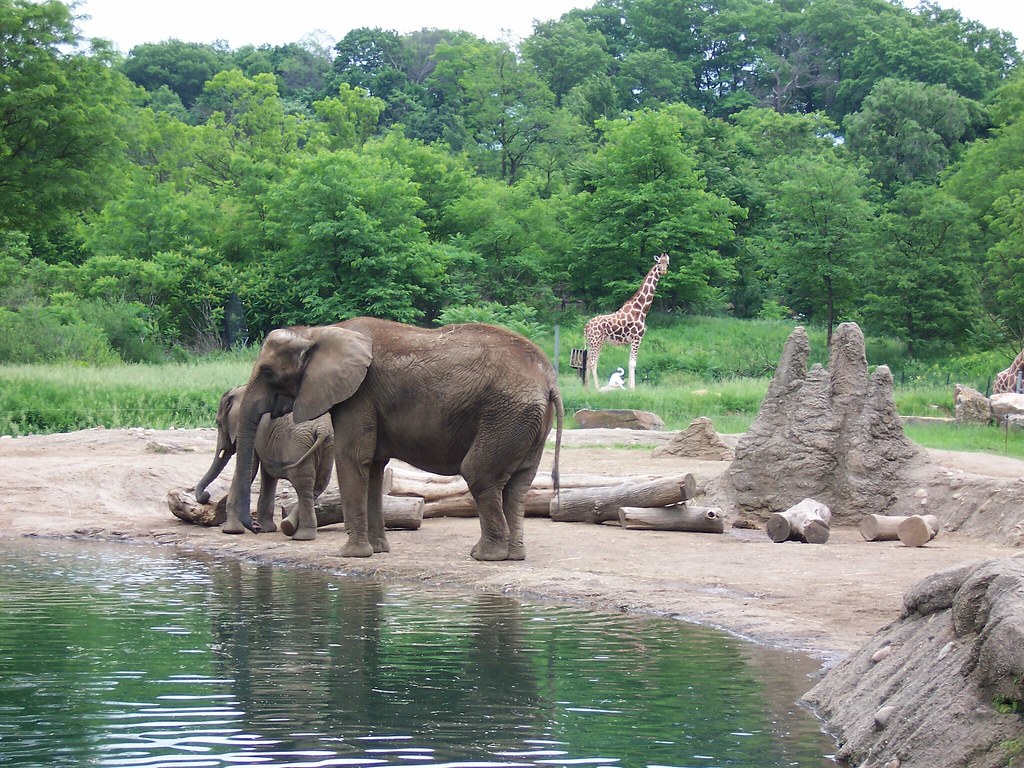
(825, 599)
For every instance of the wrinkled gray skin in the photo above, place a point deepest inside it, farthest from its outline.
(471, 399)
(302, 454)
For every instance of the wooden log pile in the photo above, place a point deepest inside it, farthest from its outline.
(411, 495)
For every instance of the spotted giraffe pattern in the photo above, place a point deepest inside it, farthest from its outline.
(1006, 381)
(625, 326)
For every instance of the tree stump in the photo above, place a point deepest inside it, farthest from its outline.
(681, 517)
(807, 521)
(880, 527)
(401, 513)
(918, 530)
(598, 505)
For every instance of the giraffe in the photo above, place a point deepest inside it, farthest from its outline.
(1006, 381)
(626, 326)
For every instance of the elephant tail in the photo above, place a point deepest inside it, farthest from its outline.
(555, 399)
(322, 435)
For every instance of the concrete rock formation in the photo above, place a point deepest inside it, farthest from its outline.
(829, 434)
(944, 684)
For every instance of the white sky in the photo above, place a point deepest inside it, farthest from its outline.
(255, 22)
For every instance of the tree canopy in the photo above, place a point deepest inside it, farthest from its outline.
(830, 159)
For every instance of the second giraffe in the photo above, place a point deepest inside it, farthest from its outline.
(626, 326)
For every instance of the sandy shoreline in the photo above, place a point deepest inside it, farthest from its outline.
(826, 600)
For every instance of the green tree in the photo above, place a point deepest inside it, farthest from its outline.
(817, 242)
(346, 241)
(63, 113)
(183, 67)
(921, 279)
(639, 195)
(503, 104)
(910, 131)
(566, 53)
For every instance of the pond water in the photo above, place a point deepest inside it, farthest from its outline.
(115, 655)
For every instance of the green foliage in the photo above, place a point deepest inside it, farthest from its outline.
(516, 317)
(405, 174)
(63, 398)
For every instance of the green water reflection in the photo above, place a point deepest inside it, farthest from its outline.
(116, 655)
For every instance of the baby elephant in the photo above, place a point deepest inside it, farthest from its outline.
(302, 454)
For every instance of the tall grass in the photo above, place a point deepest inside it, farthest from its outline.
(66, 397)
(688, 367)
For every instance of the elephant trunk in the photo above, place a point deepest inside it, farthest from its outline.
(239, 499)
(225, 450)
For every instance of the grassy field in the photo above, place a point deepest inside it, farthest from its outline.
(696, 367)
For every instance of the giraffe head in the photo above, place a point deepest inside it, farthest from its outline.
(662, 264)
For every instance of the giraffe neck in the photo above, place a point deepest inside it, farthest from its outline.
(641, 301)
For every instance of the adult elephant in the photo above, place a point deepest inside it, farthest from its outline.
(302, 454)
(470, 399)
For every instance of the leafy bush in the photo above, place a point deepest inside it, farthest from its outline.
(517, 317)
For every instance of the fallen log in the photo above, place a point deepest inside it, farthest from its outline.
(681, 517)
(807, 521)
(401, 513)
(880, 527)
(598, 505)
(184, 506)
(918, 530)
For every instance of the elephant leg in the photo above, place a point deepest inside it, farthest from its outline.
(494, 533)
(375, 508)
(265, 503)
(305, 512)
(353, 481)
(514, 504)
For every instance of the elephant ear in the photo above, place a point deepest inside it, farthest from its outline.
(229, 411)
(335, 367)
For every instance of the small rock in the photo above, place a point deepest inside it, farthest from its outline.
(946, 650)
(894, 763)
(882, 653)
(882, 716)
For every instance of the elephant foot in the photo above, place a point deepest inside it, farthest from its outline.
(288, 526)
(302, 534)
(490, 551)
(357, 549)
(266, 526)
(516, 552)
(232, 526)
(380, 544)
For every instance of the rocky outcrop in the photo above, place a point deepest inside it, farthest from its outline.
(970, 406)
(829, 434)
(697, 441)
(944, 684)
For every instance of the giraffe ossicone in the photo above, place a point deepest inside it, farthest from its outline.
(625, 326)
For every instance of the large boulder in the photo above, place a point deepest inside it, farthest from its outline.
(944, 684)
(1007, 404)
(829, 434)
(619, 418)
(970, 406)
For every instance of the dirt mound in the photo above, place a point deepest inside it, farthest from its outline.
(942, 685)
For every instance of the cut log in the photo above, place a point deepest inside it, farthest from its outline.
(880, 527)
(598, 505)
(918, 530)
(681, 517)
(401, 513)
(807, 521)
(184, 506)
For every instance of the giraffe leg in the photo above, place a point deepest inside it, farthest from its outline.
(634, 348)
(592, 356)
